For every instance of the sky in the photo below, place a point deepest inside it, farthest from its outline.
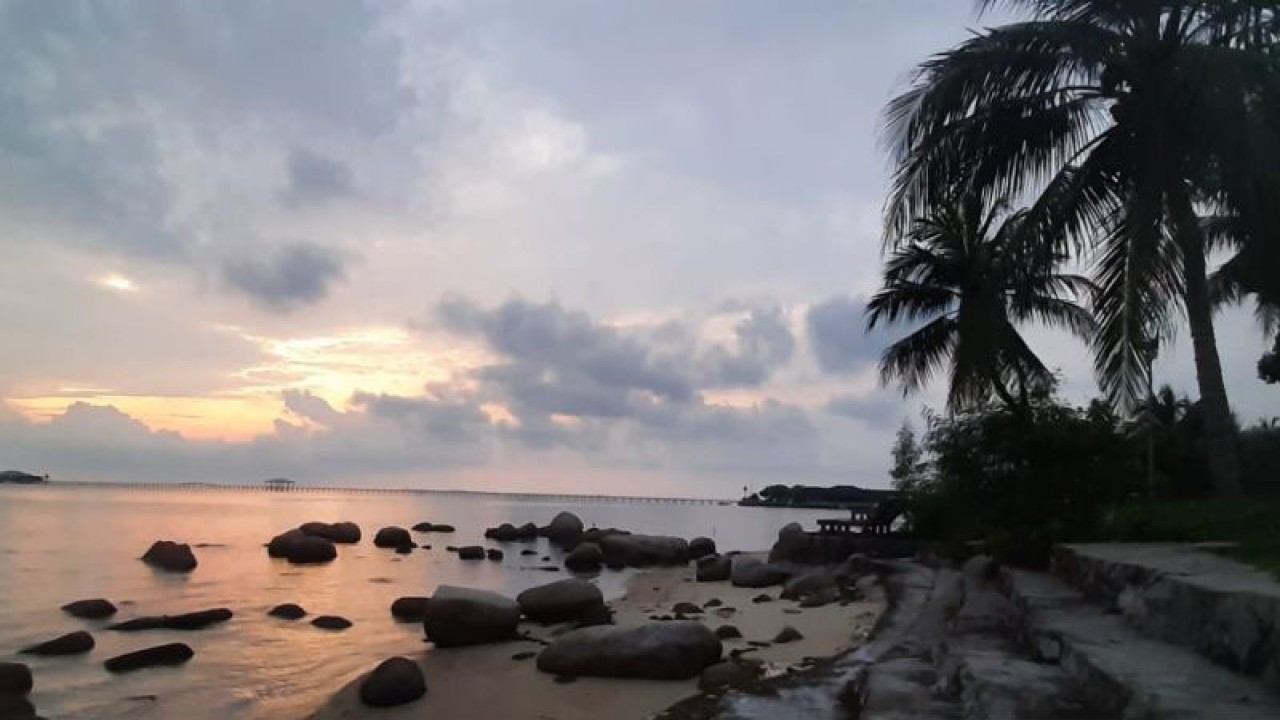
(563, 246)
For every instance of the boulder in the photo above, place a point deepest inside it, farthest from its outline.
(792, 545)
(786, 635)
(94, 609)
(560, 601)
(471, 552)
(505, 532)
(825, 596)
(423, 527)
(749, 572)
(392, 537)
(410, 609)
(725, 675)
(301, 548)
(565, 530)
(186, 621)
(659, 651)
(331, 622)
(170, 556)
(527, 531)
(15, 678)
(16, 707)
(404, 550)
(442, 528)
(465, 616)
(701, 547)
(395, 681)
(288, 611)
(686, 608)
(170, 654)
(494, 554)
(728, 632)
(340, 532)
(855, 566)
(643, 550)
(802, 586)
(72, 643)
(713, 568)
(585, 557)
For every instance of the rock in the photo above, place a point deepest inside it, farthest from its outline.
(331, 622)
(471, 552)
(751, 573)
(728, 632)
(301, 548)
(549, 568)
(423, 527)
(792, 545)
(16, 707)
(664, 651)
(726, 612)
(72, 643)
(524, 655)
(170, 556)
(186, 621)
(288, 611)
(686, 608)
(585, 557)
(442, 528)
(643, 550)
(825, 596)
(451, 548)
(564, 530)
(855, 566)
(762, 598)
(786, 635)
(701, 547)
(565, 679)
(410, 609)
(601, 615)
(712, 603)
(395, 681)
(528, 552)
(346, 533)
(527, 531)
(560, 601)
(616, 565)
(494, 554)
(404, 550)
(15, 678)
(170, 654)
(802, 586)
(505, 532)
(94, 609)
(465, 616)
(725, 675)
(392, 537)
(713, 568)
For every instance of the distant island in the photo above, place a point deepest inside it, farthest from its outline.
(17, 477)
(807, 496)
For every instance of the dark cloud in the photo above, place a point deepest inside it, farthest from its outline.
(453, 420)
(764, 344)
(838, 336)
(315, 178)
(297, 275)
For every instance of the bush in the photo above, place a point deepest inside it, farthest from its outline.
(1022, 479)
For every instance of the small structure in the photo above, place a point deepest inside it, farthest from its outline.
(279, 484)
(871, 518)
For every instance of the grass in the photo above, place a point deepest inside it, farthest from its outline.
(1249, 522)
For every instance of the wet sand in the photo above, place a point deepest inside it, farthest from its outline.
(484, 681)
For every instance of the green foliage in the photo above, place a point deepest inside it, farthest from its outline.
(1251, 523)
(1269, 365)
(908, 459)
(1022, 480)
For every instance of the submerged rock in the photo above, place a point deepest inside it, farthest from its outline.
(186, 621)
(15, 678)
(72, 643)
(560, 601)
(505, 532)
(410, 609)
(340, 532)
(663, 651)
(471, 552)
(331, 622)
(288, 611)
(170, 556)
(494, 554)
(94, 609)
(564, 530)
(396, 681)
(585, 557)
(170, 654)
(301, 548)
(686, 608)
(465, 616)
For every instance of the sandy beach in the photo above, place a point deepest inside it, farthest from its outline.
(486, 680)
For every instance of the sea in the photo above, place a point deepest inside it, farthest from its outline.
(64, 543)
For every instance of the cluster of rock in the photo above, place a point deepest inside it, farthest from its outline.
(313, 542)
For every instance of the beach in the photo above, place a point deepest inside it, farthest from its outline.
(485, 679)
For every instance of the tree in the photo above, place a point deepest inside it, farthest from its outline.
(972, 276)
(1122, 119)
(908, 459)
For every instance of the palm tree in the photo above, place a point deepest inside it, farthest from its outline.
(1121, 120)
(972, 276)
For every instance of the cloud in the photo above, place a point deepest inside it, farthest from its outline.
(838, 336)
(765, 343)
(297, 275)
(878, 408)
(315, 178)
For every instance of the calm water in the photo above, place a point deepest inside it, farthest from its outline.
(64, 544)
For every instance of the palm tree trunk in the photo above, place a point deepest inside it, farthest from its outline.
(1219, 430)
